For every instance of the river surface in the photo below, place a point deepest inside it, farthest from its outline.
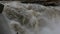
(33, 18)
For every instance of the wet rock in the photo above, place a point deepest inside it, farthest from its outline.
(43, 2)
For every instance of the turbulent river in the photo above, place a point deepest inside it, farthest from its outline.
(32, 18)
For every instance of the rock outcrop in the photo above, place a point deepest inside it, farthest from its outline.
(43, 2)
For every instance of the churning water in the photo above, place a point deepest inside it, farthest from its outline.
(33, 18)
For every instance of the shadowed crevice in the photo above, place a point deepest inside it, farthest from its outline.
(1, 8)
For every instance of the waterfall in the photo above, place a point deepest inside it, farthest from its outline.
(32, 18)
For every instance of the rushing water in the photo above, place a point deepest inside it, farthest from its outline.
(33, 18)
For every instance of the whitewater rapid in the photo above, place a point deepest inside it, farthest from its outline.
(33, 18)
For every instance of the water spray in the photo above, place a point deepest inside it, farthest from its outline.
(4, 27)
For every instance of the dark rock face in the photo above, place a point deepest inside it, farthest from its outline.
(44, 2)
(1, 8)
(52, 2)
